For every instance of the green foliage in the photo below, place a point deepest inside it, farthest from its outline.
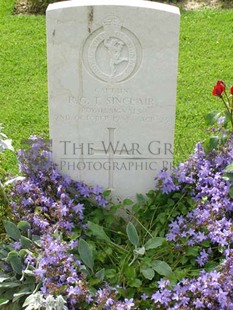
(98, 231)
(220, 122)
(5, 144)
(154, 243)
(19, 282)
(209, 32)
(23, 86)
(12, 230)
(132, 234)
(86, 254)
(161, 267)
(132, 251)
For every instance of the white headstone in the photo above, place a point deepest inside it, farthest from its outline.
(112, 70)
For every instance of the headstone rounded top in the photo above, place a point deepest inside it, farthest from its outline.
(132, 3)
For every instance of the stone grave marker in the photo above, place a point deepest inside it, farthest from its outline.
(112, 70)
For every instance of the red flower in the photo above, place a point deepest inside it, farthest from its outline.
(231, 90)
(219, 88)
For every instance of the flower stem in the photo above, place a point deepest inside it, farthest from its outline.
(229, 110)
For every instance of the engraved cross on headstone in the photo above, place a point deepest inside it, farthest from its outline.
(110, 152)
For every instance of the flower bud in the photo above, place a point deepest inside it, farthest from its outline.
(231, 90)
(218, 89)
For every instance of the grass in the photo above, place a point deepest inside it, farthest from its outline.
(205, 56)
(23, 84)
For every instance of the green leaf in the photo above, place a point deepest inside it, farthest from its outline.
(21, 293)
(15, 261)
(162, 217)
(84, 270)
(192, 251)
(206, 243)
(3, 253)
(148, 272)
(86, 254)
(228, 176)
(32, 299)
(107, 193)
(111, 273)
(16, 306)
(3, 301)
(154, 243)
(3, 277)
(228, 116)
(12, 230)
(132, 234)
(25, 242)
(23, 225)
(231, 191)
(127, 202)
(229, 168)
(161, 268)
(100, 274)
(135, 283)
(129, 272)
(98, 231)
(184, 260)
(9, 284)
(141, 199)
(213, 143)
(93, 282)
(23, 253)
(212, 117)
(36, 240)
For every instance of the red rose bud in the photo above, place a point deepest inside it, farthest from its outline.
(221, 82)
(231, 90)
(218, 89)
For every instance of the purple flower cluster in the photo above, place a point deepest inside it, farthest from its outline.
(107, 298)
(211, 290)
(59, 272)
(47, 199)
(55, 205)
(201, 177)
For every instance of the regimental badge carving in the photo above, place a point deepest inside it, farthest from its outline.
(112, 53)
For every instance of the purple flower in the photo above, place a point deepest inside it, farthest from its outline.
(97, 190)
(101, 201)
(221, 120)
(144, 296)
(74, 291)
(129, 303)
(163, 283)
(202, 258)
(17, 245)
(64, 210)
(198, 303)
(40, 272)
(168, 185)
(78, 208)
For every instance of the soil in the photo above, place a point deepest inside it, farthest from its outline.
(195, 4)
(25, 6)
(199, 4)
